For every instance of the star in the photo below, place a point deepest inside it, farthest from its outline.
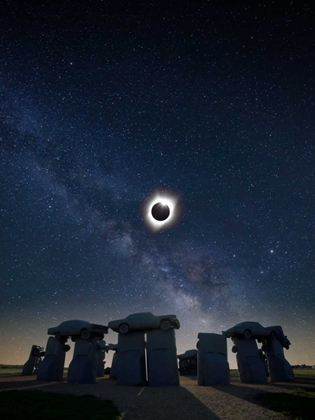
(101, 123)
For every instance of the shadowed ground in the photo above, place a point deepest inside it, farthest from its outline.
(189, 401)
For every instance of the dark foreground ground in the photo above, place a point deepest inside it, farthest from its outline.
(188, 401)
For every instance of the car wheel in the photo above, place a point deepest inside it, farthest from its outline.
(123, 328)
(66, 347)
(247, 334)
(85, 334)
(234, 349)
(58, 336)
(166, 325)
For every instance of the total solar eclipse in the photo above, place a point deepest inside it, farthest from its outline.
(160, 211)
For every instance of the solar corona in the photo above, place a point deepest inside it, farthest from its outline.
(161, 211)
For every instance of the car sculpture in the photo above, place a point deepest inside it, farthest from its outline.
(188, 354)
(250, 329)
(77, 328)
(279, 334)
(144, 321)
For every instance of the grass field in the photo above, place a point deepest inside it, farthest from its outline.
(297, 404)
(15, 370)
(10, 370)
(304, 372)
(38, 405)
(297, 373)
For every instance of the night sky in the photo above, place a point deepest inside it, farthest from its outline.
(106, 105)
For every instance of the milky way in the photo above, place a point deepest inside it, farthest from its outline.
(108, 108)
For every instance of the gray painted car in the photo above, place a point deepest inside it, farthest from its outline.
(251, 329)
(248, 329)
(144, 321)
(188, 354)
(278, 331)
(76, 327)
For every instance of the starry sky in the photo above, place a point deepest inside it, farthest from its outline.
(104, 105)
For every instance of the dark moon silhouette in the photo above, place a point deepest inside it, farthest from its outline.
(160, 211)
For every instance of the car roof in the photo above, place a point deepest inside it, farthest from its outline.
(140, 314)
(76, 321)
(241, 324)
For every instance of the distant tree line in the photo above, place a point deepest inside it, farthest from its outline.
(11, 366)
(303, 366)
